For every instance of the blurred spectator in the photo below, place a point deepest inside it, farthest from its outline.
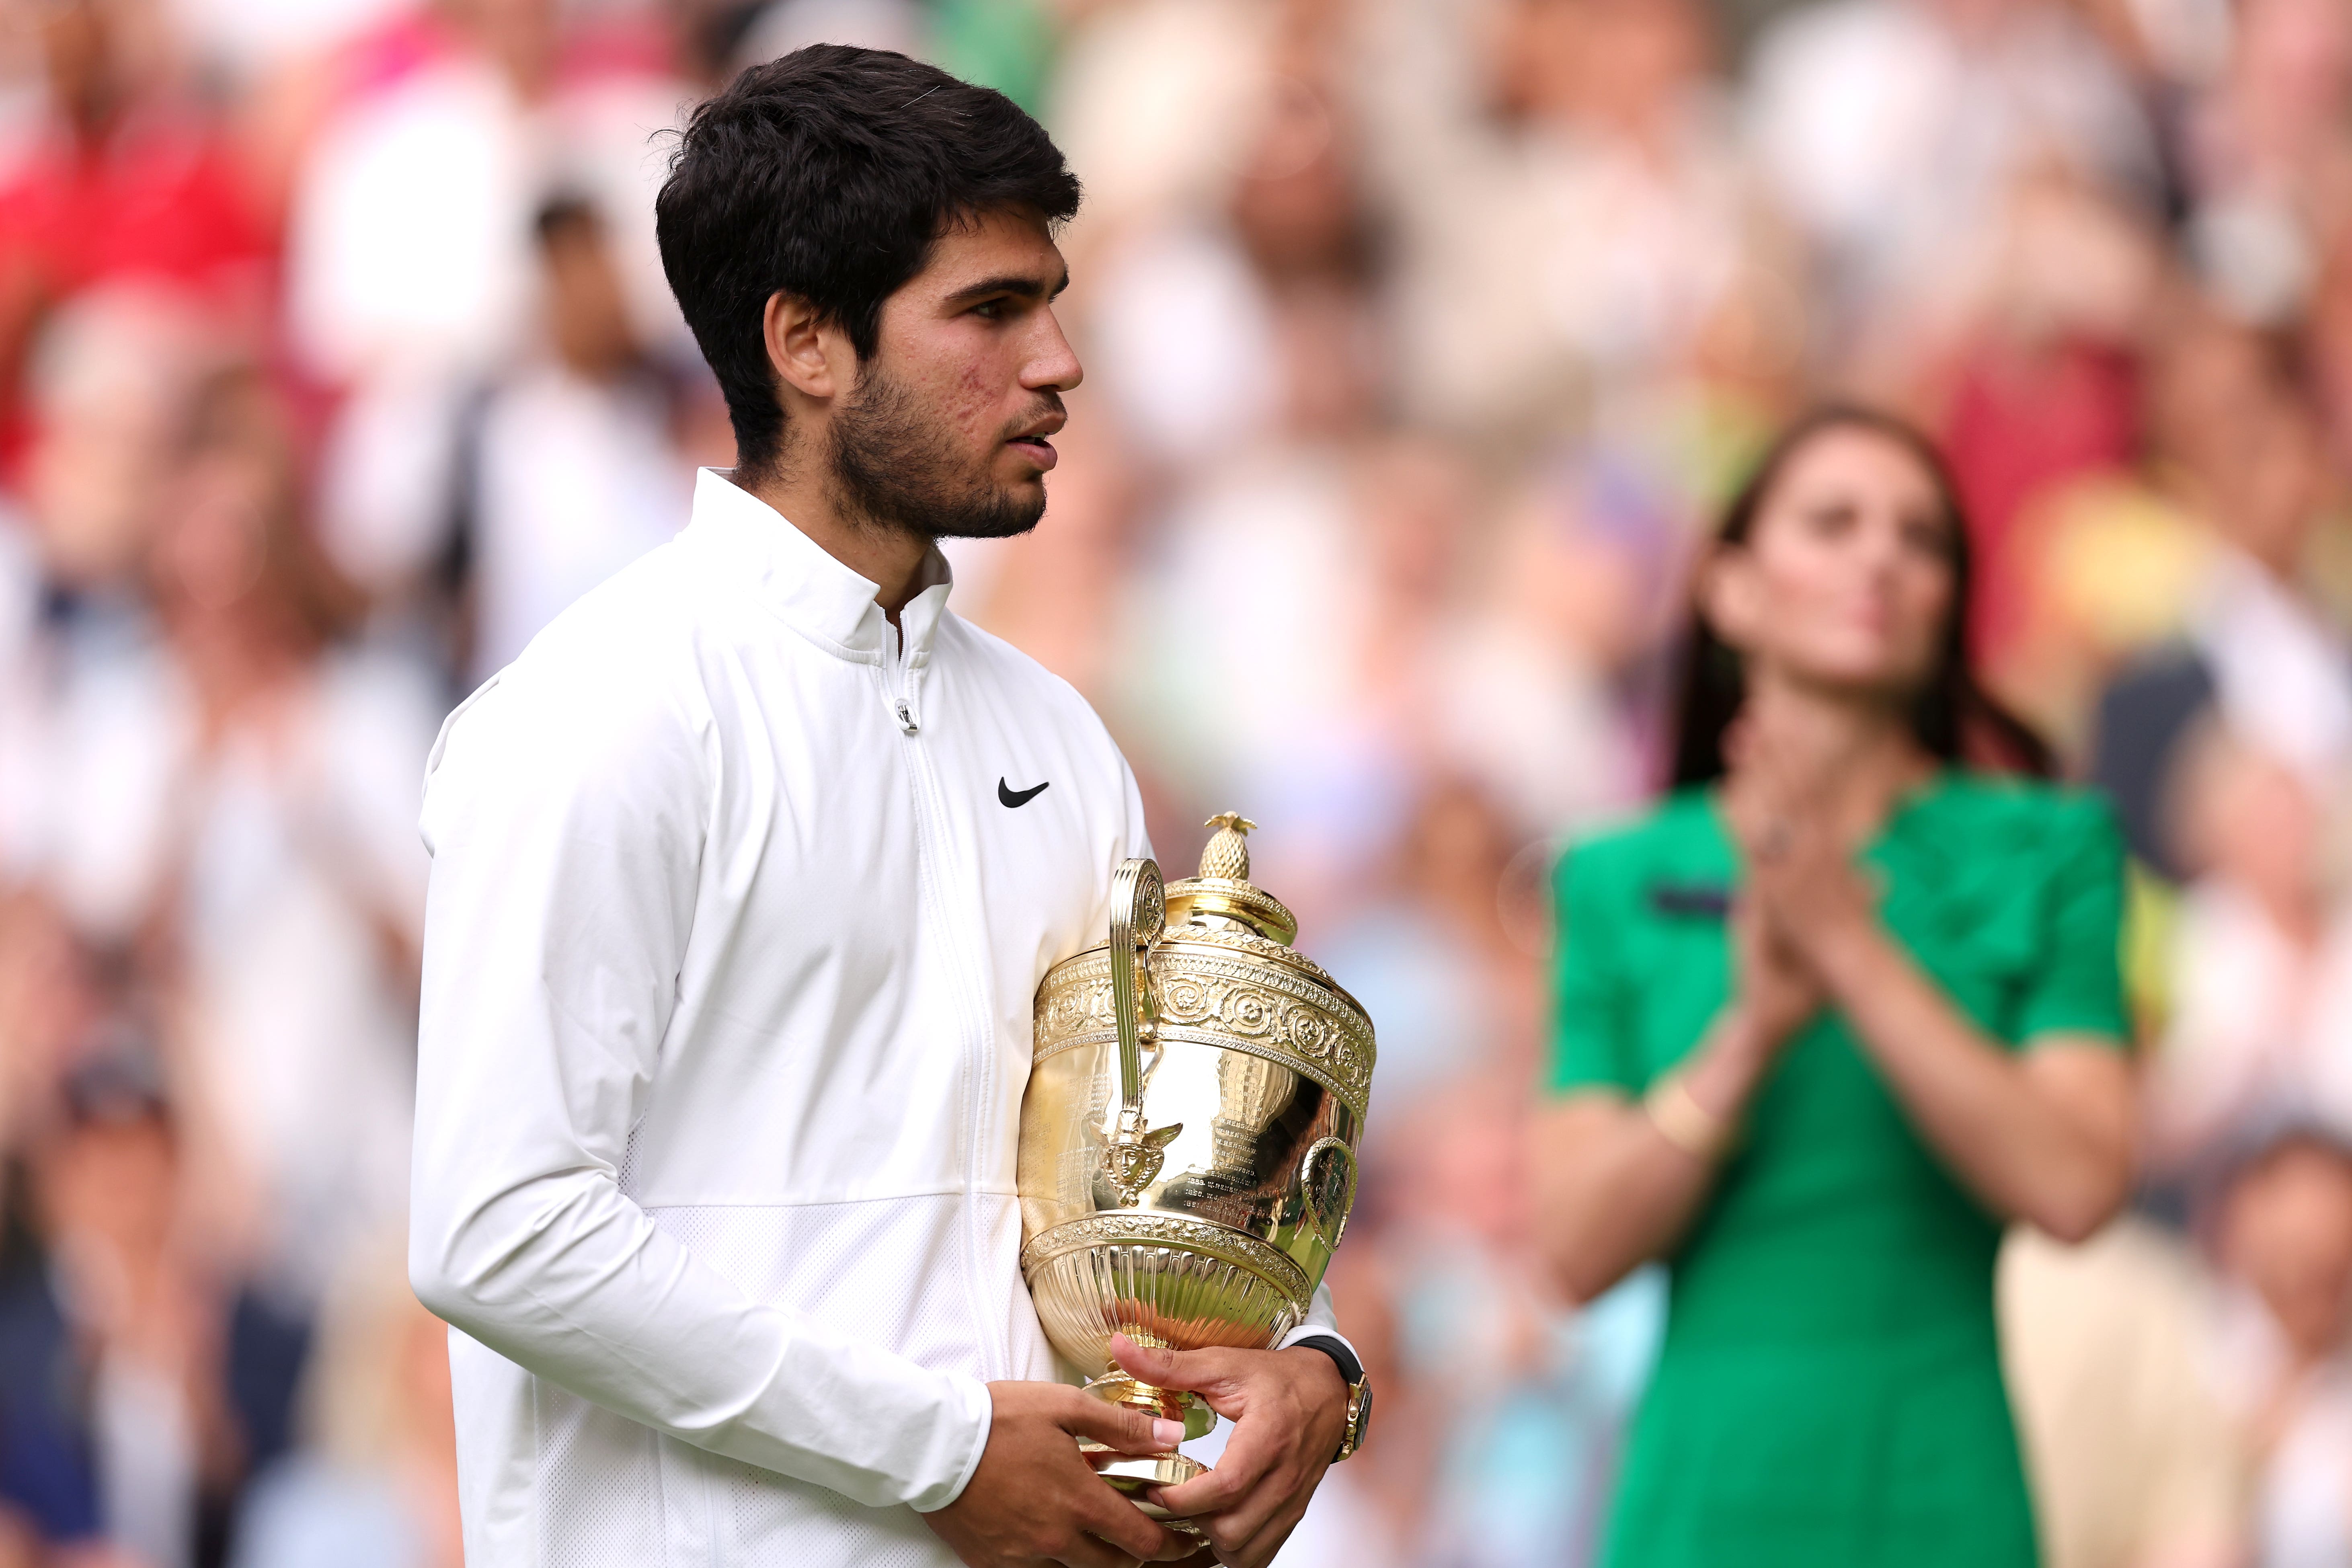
(243, 792)
(1508, 140)
(1815, 1082)
(1238, 351)
(1430, 956)
(414, 276)
(573, 474)
(109, 384)
(2261, 961)
(2255, 645)
(2271, 158)
(1156, 104)
(2135, 1460)
(1225, 323)
(143, 1331)
(1896, 131)
(2037, 373)
(49, 1008)
(1509, 1403)
(2282, 1231)
(410, 250)
(1535, 676)
(375, 1484)
(549, 478)
(127, 179)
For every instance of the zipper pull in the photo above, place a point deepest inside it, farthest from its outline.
(906, 715)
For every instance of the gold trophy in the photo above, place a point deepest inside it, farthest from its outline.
(1188, 1139)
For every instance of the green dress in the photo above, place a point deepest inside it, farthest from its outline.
(1829, 1395)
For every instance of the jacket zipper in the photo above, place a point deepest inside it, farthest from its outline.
(933, 856)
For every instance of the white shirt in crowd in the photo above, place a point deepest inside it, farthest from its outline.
(567, 480)
(576, 479)
(287, 854)
(730, 954)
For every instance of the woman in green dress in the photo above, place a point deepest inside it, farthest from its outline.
(1833, 1014)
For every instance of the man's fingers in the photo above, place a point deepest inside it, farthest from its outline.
(1240, 1468)
(1229, 1523)
(1086, 1552)
(1116, 1426)
(1250, 1534)
(1256, 1547)
(1114, 1519)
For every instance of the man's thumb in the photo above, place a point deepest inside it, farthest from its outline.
(1128, 1430)
(1151, 1364)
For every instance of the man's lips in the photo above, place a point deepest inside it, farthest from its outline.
(1037, 449)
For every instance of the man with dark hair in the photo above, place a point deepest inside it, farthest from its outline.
(744, 875)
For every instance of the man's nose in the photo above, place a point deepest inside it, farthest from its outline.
(1052, 361)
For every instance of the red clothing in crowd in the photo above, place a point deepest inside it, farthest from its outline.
(2020, 425)
(160, 198)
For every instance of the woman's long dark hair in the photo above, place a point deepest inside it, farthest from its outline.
(1953, 717)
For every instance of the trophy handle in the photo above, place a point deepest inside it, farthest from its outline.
(1307, 1181)
(1139, 912)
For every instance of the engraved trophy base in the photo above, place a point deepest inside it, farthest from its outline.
(1135, 1473)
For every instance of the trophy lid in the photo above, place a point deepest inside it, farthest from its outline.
(1223, 893)
(1217, 968)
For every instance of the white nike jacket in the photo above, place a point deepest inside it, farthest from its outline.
(728, 959)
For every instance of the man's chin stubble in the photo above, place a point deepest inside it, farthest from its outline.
(889, 473)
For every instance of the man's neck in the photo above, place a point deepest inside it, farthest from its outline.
(890, 558)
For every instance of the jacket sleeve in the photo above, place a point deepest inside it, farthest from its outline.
(1321, 1323)
(566, 829)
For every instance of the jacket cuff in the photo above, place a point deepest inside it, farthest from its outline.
(978, 1411)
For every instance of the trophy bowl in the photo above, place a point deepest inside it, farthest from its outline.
(1188, 1136)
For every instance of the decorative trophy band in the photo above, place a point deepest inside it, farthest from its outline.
(1188, 1139)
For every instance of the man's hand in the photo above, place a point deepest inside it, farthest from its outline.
(1035, 1498)
(1289, 1410)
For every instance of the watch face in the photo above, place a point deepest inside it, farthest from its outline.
(1363, 1412)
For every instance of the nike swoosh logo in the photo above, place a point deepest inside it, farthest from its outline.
(1010, 796)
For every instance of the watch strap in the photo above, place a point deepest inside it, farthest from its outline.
(1360, 1390)
(1351, 1371)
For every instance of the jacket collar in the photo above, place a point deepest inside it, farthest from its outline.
(816, 594)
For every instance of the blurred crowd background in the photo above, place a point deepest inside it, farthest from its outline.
(1422, 339)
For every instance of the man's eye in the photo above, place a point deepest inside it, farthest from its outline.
(990, 309)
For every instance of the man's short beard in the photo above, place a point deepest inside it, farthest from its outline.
(893, 469)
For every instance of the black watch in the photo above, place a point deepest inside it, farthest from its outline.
(1360, 1388)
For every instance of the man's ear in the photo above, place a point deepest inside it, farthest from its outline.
(811, 356)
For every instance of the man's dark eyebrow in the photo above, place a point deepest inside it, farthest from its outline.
(1021, 285)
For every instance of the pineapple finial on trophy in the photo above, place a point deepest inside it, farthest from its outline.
(1227, 855)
